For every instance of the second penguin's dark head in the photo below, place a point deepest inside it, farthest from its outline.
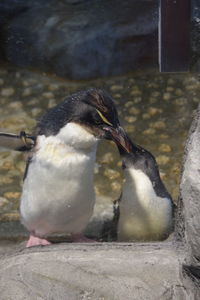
(93, 109)
(139, 158)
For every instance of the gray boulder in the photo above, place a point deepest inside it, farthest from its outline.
(190, 192)
(93, 272)
(80, 39)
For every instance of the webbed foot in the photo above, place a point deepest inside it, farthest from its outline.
(35, 241)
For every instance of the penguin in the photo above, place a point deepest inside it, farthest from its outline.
(145, 208)
(58, 193)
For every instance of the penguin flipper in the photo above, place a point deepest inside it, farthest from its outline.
(21, 142)
(109, 229)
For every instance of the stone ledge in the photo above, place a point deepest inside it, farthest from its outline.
(94, 271)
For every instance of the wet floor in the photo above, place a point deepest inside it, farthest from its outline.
(155, 109)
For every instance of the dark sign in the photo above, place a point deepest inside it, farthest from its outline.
(174, 35)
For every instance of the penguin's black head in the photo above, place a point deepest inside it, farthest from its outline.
(93, 109)
(138, 158)
(141, 159)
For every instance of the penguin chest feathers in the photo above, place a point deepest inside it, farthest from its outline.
(72, 141)
(143, 214)
(58, 193)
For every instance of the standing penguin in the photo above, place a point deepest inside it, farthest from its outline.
(145, 207)
(58, 193)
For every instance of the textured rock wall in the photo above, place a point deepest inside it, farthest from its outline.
(93, 272)
(190, 190)
(80, 39)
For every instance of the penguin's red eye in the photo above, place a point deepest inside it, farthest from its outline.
(97, 119)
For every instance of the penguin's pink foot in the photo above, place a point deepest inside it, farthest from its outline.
(35, 241)
(80, 238)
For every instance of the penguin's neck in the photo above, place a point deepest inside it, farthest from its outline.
(76, 136)
(139, 188)
(73, 145)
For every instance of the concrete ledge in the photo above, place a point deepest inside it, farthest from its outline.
(94, 271)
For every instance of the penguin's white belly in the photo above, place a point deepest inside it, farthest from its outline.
(143, 215)
(141, 225)
(58, 193)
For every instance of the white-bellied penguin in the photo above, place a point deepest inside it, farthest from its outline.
(145, 206)
(58, 193)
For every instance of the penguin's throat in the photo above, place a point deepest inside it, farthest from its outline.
(138, 185)
(72, 136)
(77, 137)
(72, 145)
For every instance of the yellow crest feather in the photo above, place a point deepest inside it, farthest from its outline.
(104, 118)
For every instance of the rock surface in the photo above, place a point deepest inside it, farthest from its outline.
(93, 272)
(80, 39)
(190, 190)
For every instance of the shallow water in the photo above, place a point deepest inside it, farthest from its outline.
(155, 109)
